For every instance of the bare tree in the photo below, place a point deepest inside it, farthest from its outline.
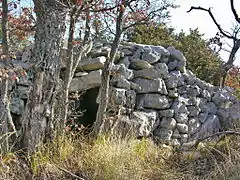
(232, 36)
(40, 109)
(7, 126)
(4, 24)
(73, 58)
(139, 12)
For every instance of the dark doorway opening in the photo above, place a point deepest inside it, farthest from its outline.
(89, 107)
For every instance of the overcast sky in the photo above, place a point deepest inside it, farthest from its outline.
(181, 20)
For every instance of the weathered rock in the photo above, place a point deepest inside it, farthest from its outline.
(151, 73)
(122, 70)
(174, 80)
(183, 138)
(221, 97)
(176, 54)
(100, 52)
(234, 113)
(153, 101)
(182, 90)
(163, 134)
(175, 142)
(130, 99)
(223, 116)
(210, 126)
(179, 107)
(181, 117)
(137, 54)
(150, 56)
(182, 128)
(181, 66)
(91, 80)
(140, 64)
(193, 91)
(176, 134)
(212, 109)
(194, 125)
(118, 96)
(166, 113)
(172, 65)
(151, 86)
(135, 86)
(120, 81)
(125, 61)
(168, 123)
(92, 64)
(172, 93)
(79, 74)
(139, 123)
(193, 111)
(17, 106)
(205, 94)
(160, 50)
(189, 77)
(162, 69)
(202, 117)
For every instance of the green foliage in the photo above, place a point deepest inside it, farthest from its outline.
(200, 58)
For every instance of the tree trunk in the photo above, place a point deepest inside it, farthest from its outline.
(104, 90)
(39, 112)
(69, 66)
(5, 48)
(73, 60)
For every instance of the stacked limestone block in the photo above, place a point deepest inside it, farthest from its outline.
(157, 95)
(160, 97)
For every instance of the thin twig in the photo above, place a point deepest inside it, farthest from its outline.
(69, 172)
(225, 33)
(234, 11)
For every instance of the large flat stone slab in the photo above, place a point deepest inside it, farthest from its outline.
(92, 64)
(91, 80)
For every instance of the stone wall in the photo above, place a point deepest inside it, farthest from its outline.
(156, 94)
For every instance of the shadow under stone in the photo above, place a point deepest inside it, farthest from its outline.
(89, 107)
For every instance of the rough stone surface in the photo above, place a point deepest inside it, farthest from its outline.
(141, 123)
(140, 64)
(210, 126)
(163, 134)
(153, 101)
(168, 123)
(91, 80)
(174, 80)
(167, 113)
(156, 92)
(17, 106)
(151, 86)
(92, 64)
(182, 128)
(150, 56)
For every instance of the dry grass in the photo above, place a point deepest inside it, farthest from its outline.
(118, 159)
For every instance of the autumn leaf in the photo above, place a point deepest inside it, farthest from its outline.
(79, 2)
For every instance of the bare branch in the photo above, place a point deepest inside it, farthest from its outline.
(234, 12)
(69, 172)
(151, 15)
(225, 33)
